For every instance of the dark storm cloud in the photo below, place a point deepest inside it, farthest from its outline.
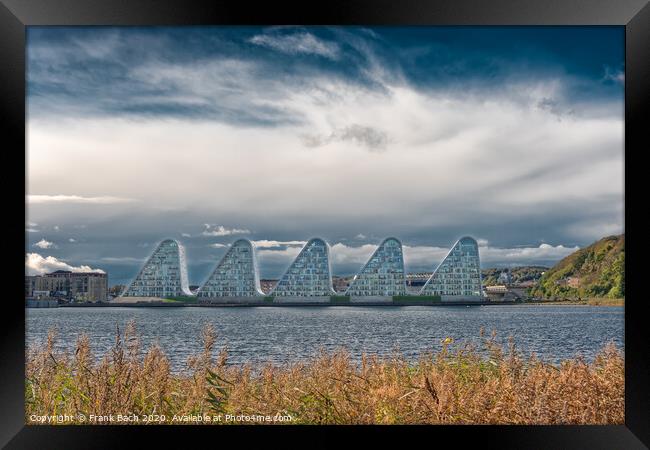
(113, 70)
(368, 137)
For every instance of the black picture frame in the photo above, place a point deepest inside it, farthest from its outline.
(634, 15)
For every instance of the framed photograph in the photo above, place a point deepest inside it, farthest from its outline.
(360, 216)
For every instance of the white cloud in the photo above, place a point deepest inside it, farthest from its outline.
(217, 245)
(496, 142)
(424, 256)
(220, 230)
(301, 42)
(56, 228)
(44, 244)
(526, 255)
(343, 254)
(37, 199)
(279, 258)
(72, 240)
(617, 76)
(272, 244)
(122, 259)
(186, 235)
(32, 230)
(36, 264)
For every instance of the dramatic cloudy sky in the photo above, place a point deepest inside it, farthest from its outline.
(207, 134)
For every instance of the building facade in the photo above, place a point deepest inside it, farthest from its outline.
(459, 273)
(417, 280)
(30, 285)
(383, 274)
(309, 275)
(236, 275)
(78, 286)
(163, 275)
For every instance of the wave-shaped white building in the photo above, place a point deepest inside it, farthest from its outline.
(236, 275)
(164, 274)
(383, 274)
(309, 275)
(459, 273)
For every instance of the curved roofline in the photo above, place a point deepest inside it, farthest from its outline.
(255, 268)
(316, 239)
(248, 241)
(128, 286)
(447, 256)
(329, 264)
(393, 238)
(181, 260)
(372, 256)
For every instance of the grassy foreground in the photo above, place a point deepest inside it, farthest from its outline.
(463, 386)
(606, 301)
(583, 301)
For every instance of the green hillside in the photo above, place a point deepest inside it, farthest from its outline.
(519, 274)
(594, 271)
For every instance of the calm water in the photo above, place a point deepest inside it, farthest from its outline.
(287, 334)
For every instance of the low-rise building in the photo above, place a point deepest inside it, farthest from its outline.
(503, 293)
(30, 285)
(341, 284)
(267, 285)
(78, 286)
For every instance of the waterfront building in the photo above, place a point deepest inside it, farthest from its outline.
(78, 286)
(30, 285)
(310, 273)
(236, 275)
(505, 277)
(383, 274)
(267, 285)
(116, 290)
(163, 275)
(89, 286)
(341, 283)
(459, 273)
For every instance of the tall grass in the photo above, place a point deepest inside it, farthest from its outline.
(468, 385)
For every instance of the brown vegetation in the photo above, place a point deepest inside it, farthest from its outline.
(581, 302)
(464, 386)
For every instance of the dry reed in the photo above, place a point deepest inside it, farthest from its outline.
(468, 385)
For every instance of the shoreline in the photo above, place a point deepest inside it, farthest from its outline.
(615, 303)
(249, 305)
